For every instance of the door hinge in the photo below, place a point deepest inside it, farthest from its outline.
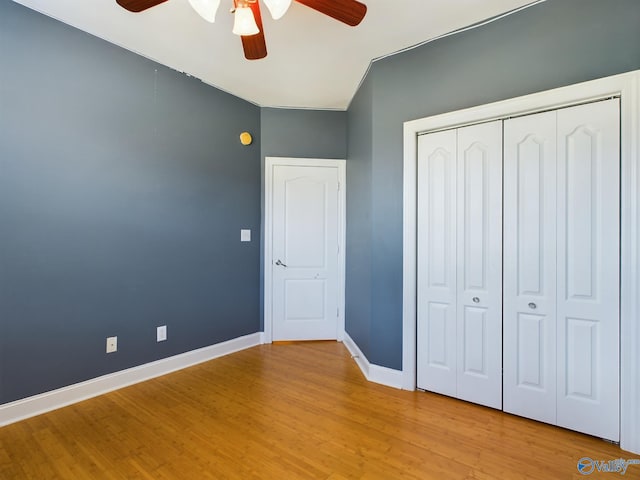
(338, 312)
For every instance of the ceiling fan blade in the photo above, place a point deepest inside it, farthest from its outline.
(255, 46)
(138, 5)
(350, 12)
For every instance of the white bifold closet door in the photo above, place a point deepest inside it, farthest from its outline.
(529, 308)
(460, 263)
(562, 267)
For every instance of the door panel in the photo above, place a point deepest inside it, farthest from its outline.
(305, 252)
(529, 320)
(581, 348)
(474, 342)
(530, 362)
(436, 329)
(305, 201)
(579, 241)
(479, 264)
(531, 213)
(305, 299)
(438, 321)
(588, 268)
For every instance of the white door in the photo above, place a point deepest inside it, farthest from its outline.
(479, 264)
(305, 247)
(437, 304)
(460, 263)
(588, 296)
(529, 307)
(561, 268)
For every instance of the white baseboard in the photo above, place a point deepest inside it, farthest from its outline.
(373, 373)
(46, 402)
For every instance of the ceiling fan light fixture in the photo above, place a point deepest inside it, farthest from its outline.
(277, 8)
(206, 8)
(244, 22)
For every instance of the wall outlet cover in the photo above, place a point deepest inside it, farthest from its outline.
(112, 344)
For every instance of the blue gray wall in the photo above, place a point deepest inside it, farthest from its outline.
(359, 262)
(123, 189)
(555, 43)
(303, 133)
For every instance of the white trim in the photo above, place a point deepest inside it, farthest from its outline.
(357, 355)
(46, 402)
(373, 373)
(627, 86)
(269, 163)
(630, 268)
(409, 259)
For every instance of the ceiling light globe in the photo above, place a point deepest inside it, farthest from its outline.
(206, 8)
(244, 22)
(277, 8)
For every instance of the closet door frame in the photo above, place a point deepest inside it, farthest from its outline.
(627, 87)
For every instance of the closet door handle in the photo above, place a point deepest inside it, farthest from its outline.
(475, 300)
(532, 306)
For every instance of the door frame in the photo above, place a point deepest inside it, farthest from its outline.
(627, 87)
(269, 163)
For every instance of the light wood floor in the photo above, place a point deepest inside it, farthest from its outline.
(295, 411)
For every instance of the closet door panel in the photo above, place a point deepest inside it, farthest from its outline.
(479, 260)
(529, 321)
(436, 329)
(588, 268)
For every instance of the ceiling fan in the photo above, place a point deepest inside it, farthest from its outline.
(248, 20)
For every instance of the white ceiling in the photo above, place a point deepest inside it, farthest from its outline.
(313, 60)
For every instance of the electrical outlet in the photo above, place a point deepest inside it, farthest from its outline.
(112, 344)
(161, 333)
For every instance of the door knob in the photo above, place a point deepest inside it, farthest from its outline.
(475, 300)
(532, 306)
(279, 262)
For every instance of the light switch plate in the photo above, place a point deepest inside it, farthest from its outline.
(161, 333)
(245, 235)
